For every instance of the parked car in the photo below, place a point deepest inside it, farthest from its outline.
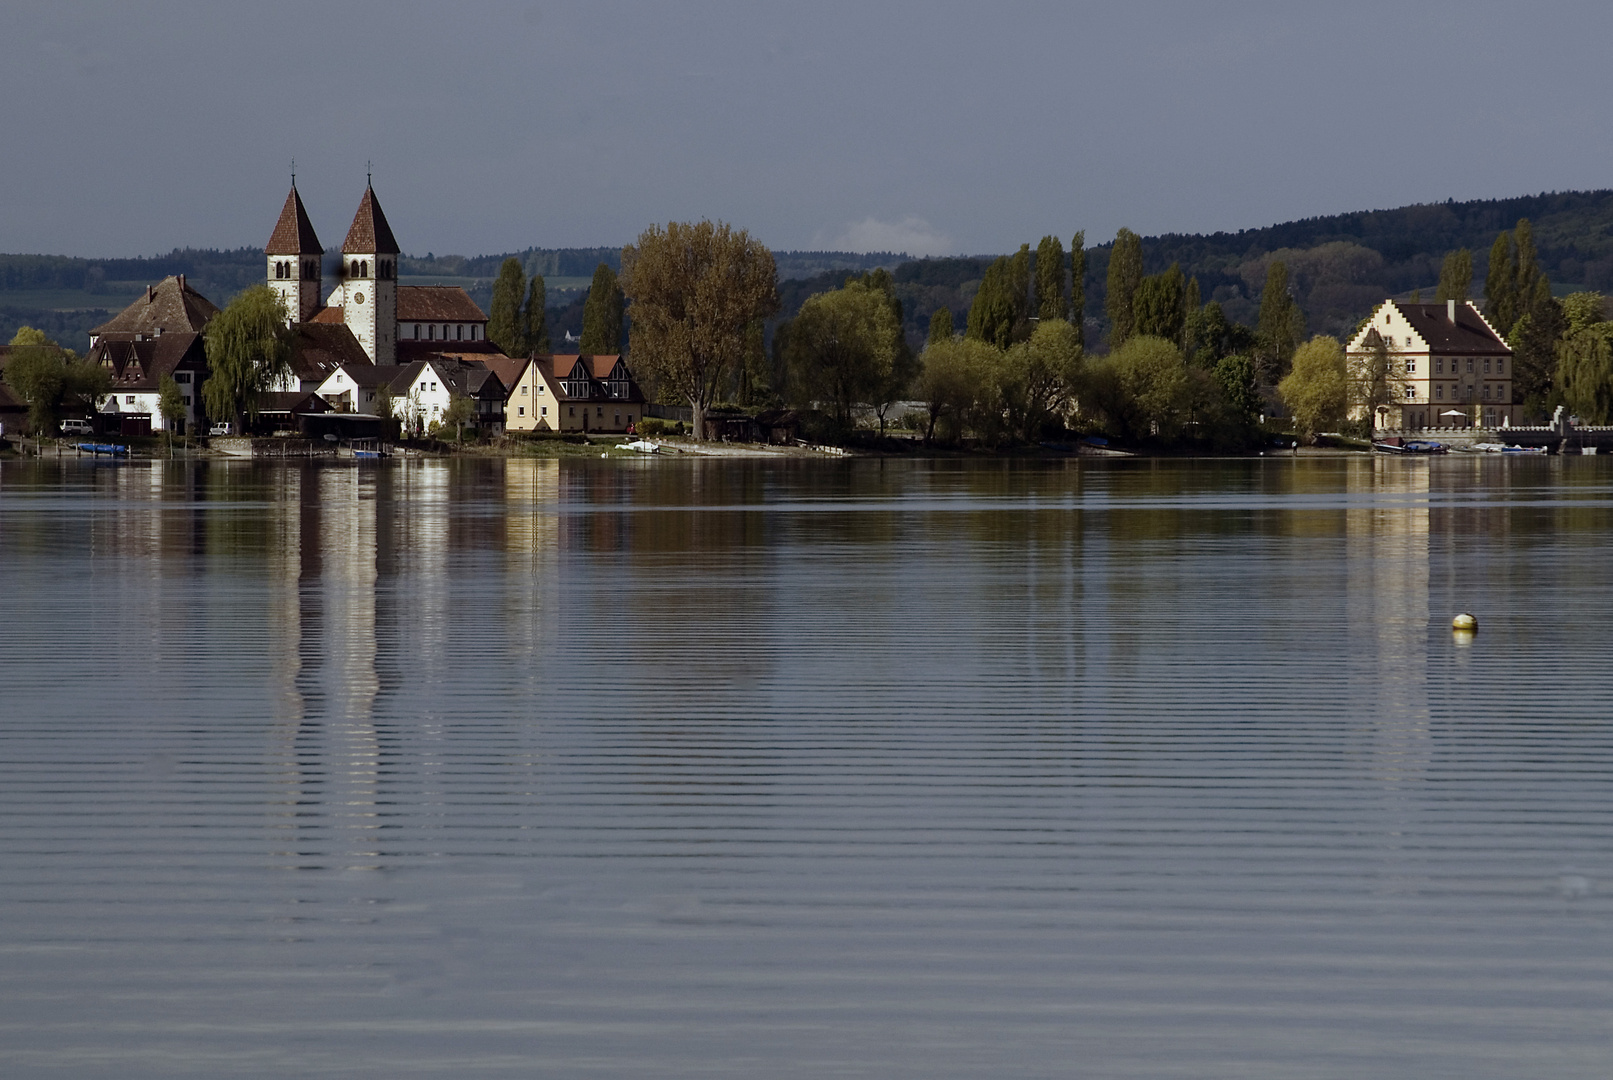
(77, 427)
(225, 428)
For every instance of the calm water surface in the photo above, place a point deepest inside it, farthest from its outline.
(806, 769)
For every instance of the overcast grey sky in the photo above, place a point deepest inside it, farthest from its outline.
(936, 127)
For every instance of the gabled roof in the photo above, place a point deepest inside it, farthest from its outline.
(508, 369)
(139, 365)
(593, 369)
(368, 376)
(437, 303)
(370, 233)
(170, 306)
(1469, 335)
(329, 316)
(318, 349)
(293, 233)
(294, 401)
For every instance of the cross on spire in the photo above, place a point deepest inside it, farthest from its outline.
(293, 172)
(367, 175)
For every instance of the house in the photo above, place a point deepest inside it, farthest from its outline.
(575, 393)
(1448, 366)
(357, 387)
(423, 390)
(157, 336)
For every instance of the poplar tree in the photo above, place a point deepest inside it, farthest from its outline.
(1020, 284)
(1281, 324)
(1125, 275)
(602, 315)
(1159, 305)
(504, 321)
(535, 317)
(1455, 276)
(991, 316)
(1051, 301)
(940, 326)
(1078, 286)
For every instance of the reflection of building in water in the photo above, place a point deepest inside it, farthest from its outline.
(324, 622)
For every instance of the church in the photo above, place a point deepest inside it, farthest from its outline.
(364, 315)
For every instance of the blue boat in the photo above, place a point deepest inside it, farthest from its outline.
(104, 448)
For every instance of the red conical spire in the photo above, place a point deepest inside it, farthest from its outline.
(294, 233)
(370, 234)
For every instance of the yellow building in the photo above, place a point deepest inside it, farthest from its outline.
(574, 393)
(1447, 367)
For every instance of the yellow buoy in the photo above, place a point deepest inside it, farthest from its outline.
(1465, 623)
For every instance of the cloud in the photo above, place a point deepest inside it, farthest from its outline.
(912, 235)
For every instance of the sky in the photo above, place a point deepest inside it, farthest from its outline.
(930, 128)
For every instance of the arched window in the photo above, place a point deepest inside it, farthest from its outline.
(352, 271)
(473, 332)
(459, 332)
(431, 332)
(445, 331)
(417, 331)
(364, 268)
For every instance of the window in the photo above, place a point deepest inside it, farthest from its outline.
(473, 333)
(540, 389)
(417, 331)
(185, 401)
(1470, 365)
(459, 332)
(1411, 367)
(570, 411)
(445, 331)
(599, 410)
(431, 332)
(1439, 393)
(1486, 365)
(520, 410)
(544, 411)
(1486, 391)
(1501, 366)
(434, 386)
(181, 376)
(128, 399)
(523, 389)
(1411, 393)
(364, 268)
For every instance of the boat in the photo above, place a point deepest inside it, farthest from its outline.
(1410, 446)
(1503, 448)
(643, 446)
(104, 448)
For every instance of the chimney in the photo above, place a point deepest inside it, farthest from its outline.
(148, 294)
(182, 288)
(1450, 309)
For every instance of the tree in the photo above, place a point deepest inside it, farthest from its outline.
(249, 350)
(1378, 380)
(1037, 377)
(842, 347)
(1455, 276)
(1140, 389)
(1585, 358)
(1078, 286)
(170, 404)
(602, 315)
(1236, 376)
(1019, 285)
(950, 379)
(904, 364)
(1125, 275)
(1281, 323)
(1317, 387)
(1534, 341)
(1501, 286)
(535, 317)
(1159, 307)
(991, 316)
(504, 323)
(940, 325)
(461, 411)
(37, 370)
(1051, 301)
(696, 288)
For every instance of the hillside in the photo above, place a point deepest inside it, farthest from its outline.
(1339, 266)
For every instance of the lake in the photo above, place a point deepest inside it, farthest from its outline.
(864, 768)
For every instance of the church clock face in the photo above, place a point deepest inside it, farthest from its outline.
(358, 298)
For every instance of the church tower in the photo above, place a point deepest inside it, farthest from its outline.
(294, 256)
(369, 288)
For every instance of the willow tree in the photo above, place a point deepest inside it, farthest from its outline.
(696, 289)
(602, 315)
(248, 351)
(1317, 390)
(843, 347)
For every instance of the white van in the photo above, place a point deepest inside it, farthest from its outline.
(223, 428)
(77, 427)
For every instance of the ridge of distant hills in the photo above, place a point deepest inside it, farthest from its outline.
(1339, 266)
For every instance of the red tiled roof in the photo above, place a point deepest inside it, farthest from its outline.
(329, 316)
(1468, 335)
(293, 233)
(370, 232)
(141, 364)
(437, 303)
(318, 349)
(171, 306)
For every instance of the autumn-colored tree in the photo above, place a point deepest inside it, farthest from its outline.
(696, 289)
